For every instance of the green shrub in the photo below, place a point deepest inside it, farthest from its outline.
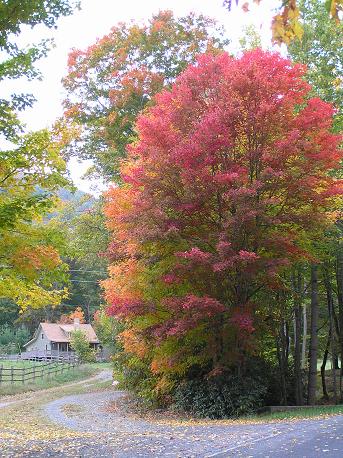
(137, 378)
(229, 395)
(269, 374)
(79, 343)
(220, 397)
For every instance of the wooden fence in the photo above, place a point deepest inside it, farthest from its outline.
(35, 355)
(36, 371)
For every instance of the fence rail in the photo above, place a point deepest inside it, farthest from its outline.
(36, 371)
(49, 355)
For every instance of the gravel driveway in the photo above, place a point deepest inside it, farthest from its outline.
(120, 435)
(96, 424)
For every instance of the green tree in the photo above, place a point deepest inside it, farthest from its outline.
(12, 340)
(112, 81)
(31, 270)
(251, 39)
(81, 237)
(287, 24)
(9, 312)
(321, 50)
(80, 345)
(17, 62)
(87, 241)
(108, 329)
(31, 168)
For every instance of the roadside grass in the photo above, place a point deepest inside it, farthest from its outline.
(55, 380)
(182, 419)
(308, 412)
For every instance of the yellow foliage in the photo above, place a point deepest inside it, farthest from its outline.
(133, 343)
(123, 281)
(286, 26)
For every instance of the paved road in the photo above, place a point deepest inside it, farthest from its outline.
(124, 436)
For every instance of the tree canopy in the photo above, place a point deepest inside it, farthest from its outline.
(112, 81)
(30, 264)
(31, 168)
(287, 24)
(320, 49)
(224, 189)
(18, 62)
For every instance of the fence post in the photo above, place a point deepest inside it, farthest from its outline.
(12, 373)
(23, 375)
(0, 374)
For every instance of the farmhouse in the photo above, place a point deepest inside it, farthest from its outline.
(51, 337)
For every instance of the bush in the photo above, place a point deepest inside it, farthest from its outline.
(137, 378)
(229, 395)
(220, 397)
(80, 345)
(269, 374)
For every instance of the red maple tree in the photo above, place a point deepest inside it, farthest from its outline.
(224, 189)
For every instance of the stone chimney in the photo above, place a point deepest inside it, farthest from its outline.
(76, 323)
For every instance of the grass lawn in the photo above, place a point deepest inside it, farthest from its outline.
(72, 375)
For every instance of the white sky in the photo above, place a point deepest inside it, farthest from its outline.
(93, 21)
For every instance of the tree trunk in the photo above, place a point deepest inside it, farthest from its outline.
(313, 353)
(323, 367)
(329, 297)
(282, 351)
(303, 348)
(297, 288)
(339, 280)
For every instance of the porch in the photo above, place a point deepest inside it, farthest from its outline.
(60, 347)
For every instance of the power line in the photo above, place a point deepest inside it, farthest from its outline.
(70, 270)
(90, 271)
